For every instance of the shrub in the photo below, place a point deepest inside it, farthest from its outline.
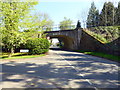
(37, 45)
(105, 34)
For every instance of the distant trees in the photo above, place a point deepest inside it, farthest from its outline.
(66, 24)
(78, 24)
(93, 16)
(118, 14)
(109, 16)
(42, 22)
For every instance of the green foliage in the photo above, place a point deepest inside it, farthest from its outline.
(12, 15)
(105, 34)
(98, 36)
(38, 45)
(93, 16)
(13, 39)
(100, 54)
(107, 15)
(42, 22)
(66, 24)
(118, 14)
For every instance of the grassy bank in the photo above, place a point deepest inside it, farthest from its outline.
(103, 55)
(105, 34)
(19, 56)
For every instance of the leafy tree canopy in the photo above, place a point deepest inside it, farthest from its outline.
(66, 24)
(12, 14)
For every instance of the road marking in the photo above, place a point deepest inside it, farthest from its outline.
(77, 71)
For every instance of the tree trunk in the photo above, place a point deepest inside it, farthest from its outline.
(11, 52)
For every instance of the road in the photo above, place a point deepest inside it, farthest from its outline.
(60, 69)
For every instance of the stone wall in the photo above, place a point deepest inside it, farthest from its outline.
(89, 43)
(78, 39)
(71, 38)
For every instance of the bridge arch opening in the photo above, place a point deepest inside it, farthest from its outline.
(54, 43)
(66, 40)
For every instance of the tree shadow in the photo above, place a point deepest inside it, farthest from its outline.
(33, 75)
(101, 72)
(88, 57)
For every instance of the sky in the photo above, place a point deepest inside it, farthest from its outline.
(72, 9)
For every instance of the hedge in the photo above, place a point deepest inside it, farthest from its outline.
(37, 45)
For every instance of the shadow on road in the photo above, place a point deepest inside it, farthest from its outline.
(101, 73)
(60, 77)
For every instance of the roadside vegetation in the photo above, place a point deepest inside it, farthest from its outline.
(19, 56)
(37, 46)
(102, 55)
(19, 32)
(104, 34)
(104, 25)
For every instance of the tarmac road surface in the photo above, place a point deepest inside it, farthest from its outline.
(60, 69)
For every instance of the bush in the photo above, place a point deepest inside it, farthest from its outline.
(105, 34)
(37, 45)
(110, 33)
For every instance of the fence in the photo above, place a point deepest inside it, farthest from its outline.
(58, 27)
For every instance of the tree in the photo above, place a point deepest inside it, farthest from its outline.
(82, 17)
(97, 18)
(66, 24)
(107, 14)
(118, 14)
(12, 14)
(78, 24)
(93, 16)
(42, 22)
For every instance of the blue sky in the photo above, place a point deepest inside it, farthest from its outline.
(73, 9)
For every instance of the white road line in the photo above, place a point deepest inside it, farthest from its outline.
(77, 71)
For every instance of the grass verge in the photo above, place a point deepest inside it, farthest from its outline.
(19, 56)
(103, 55)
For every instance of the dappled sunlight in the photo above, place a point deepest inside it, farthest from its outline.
(101, 72)
(85, 74)
(59, 71)
(46, 73)
(78, 83)
(30, 71)
(10, 64)
(105, 83)
(32, 66)
(23, 80)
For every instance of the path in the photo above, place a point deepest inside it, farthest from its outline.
(60, 69)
